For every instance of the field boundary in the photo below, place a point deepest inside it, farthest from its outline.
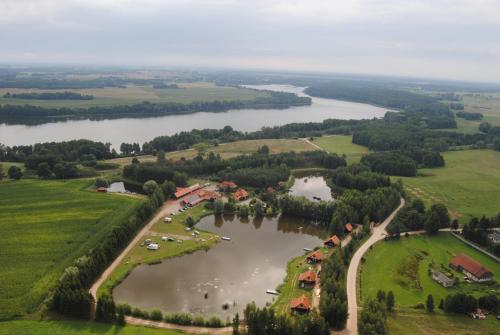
(475, 246)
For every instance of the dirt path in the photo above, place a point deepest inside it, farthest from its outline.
(169, 206)
(312, 143)
(378, 234)
(188, 329)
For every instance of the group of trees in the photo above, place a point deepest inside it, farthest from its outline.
(461, 303)
(71, 296)
(266, 321)
(390, 163)
(414, 216)
(478, 231)
(470, 115)
(359, 177)
(49, 96)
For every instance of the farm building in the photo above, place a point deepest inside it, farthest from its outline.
(200, 196)
(348, 228)
(472, 269)
(241, 194)
(442, 279)
(332, 241)
(182, 191)
(315, 257)
(307, 279)
(227, 185)
(300, 305)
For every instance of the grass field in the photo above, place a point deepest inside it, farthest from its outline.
(76, 328)
(110, 96)
(469, 184)
(422, 323)
(140, 255)
(402, 266)
(232, 149)
(44, 227)
(342, 145)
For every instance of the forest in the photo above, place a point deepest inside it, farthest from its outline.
(49, 96)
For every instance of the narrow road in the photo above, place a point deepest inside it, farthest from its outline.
(378, 234)
(312, 143)
(168, 207)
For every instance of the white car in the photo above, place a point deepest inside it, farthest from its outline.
(167, 219)
(153, 246)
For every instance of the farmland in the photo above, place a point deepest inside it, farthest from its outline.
(402, 266)
(466, 185)
(76, 328)
(45, 226)
(111, 96)
(342, 145)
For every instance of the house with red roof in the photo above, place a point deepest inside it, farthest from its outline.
(332, 241)
(300, 305)
(472, 269)
(241, 194)
(307, 279)
(183, 191)
(348, 228)
(227, 185)
(315, 257)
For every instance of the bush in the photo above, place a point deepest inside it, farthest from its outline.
(156, 315)
(101, 182)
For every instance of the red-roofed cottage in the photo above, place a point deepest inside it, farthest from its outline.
(472, 269)
(300, 305)
(307, 279)
(315, 257)
(332, 241)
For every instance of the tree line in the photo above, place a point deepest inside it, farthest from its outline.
(67, 95)
(479, 231)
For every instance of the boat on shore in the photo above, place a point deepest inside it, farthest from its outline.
(274, 292)
(225, 238)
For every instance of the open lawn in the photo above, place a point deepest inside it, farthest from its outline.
(176, 229)
(76, 328)
(44, 227)
(469, 184)
(342, 145)
(232, 149)
(402, 266)
(422, 323)
(110, 96)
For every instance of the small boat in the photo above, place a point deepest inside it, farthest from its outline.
(272, 292)
(225, 238)
(308, 249)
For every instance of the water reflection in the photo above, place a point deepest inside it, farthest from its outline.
(311, 187)
(235, 272)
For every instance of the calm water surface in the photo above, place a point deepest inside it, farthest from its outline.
(235, 272)
(141, 130)
(310, 187)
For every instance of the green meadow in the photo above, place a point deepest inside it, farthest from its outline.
(110, 96)
(44, 227)
(467, 184)
(342, 145)
(76, 328)
(402, 266)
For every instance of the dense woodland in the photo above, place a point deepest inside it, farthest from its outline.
(49, 96)
(479, 231)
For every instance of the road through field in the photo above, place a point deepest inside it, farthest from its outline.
(378, 234)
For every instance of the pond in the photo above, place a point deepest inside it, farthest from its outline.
(312, 187)
(233, 272)
(145, 129)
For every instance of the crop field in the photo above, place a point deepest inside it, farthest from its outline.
(76, 328)
(467, 185)
(110, 96)
(342, 145)
(402, 266)
(232, 149)
(140, 255)
(44, 227)
(421, 323)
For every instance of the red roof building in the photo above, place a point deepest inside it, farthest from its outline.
(472, 269)
(180, 191)
(300, 305)
(241, 194)
(315, 257)
(307, 279)
(348, 228)
(227, 185)
(332, 241)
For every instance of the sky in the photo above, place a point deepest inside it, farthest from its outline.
(434, 39)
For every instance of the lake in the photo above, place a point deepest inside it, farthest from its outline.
(145, 129)
(311, 187)
(234, 273)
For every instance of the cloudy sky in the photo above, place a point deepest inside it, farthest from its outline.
(436, 38)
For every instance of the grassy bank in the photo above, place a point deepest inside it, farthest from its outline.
(402, 267)
(176, 229)
(45, 226)
(76, 328)
(467, 185)
(342, 145)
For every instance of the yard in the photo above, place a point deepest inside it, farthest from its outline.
(44, 227)
(468, 184)
(342, 145)
(402, 266)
